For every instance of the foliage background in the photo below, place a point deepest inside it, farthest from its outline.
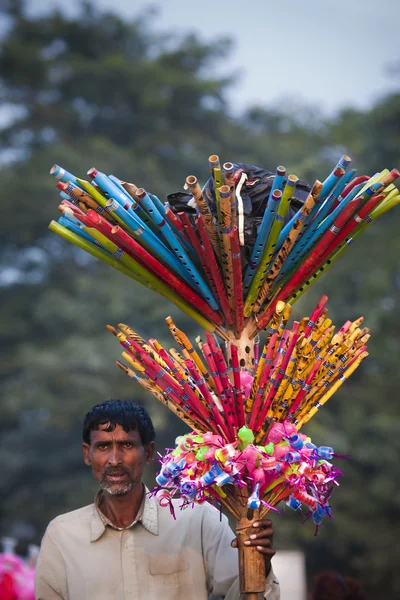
(95, 90)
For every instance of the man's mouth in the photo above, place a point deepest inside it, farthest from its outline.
(115, 475)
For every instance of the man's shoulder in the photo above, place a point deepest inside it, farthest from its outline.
(78, 516)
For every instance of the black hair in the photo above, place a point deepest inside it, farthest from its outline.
(129, 415)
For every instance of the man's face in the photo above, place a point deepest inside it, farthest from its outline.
(117, 458)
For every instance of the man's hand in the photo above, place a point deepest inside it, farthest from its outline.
(262, 538)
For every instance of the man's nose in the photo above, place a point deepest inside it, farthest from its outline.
(114, 457)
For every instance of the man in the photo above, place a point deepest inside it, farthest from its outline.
(124, 545)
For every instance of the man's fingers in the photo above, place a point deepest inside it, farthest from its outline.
(267, 552)
(262, 533)
(263, 523)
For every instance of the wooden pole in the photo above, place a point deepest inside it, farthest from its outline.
(251, 562)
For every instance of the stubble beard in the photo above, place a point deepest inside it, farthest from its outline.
(117, 489)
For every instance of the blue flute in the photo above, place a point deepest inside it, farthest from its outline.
(195, 278)
(63, 175)
(69, 224)
(263, 232)
(121, 196)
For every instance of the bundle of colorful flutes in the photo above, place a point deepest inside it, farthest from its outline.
(246, 409)
(298, 370)
(226, 254)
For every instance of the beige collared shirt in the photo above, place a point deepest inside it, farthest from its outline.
(84, 557)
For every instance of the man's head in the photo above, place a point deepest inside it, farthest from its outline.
(118, 439)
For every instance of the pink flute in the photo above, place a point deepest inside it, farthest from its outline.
(352, 359)
(137, 252)
(263, 379)
(274, 367)
(305, 388)
(237, 279)
(312, 260)
(178, 388)
(315, 315)
(238, 386)
(161, 381)
(74, 207)
(228, 391)
(220, 390)
(198, 248)
(348, 188)
(200, 383)
(362, 215)
(214, 269)
(177, 399)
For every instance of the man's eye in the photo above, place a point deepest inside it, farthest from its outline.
(128, 445)
(102, 446)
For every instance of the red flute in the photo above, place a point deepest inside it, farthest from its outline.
(198, 248)
(315, 315)
(237, 280)
(306, 386)
(137, 252)
(205, 348)
(214, 269)
(175, 221)
(348, 188)
(263, 380)
(238, 385)
(312, 260)
(277, 367)
(362, 215)
(293, 337)
(200, 383)
(189, 396)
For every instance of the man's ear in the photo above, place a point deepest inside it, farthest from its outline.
(149, 452)
(86, 454)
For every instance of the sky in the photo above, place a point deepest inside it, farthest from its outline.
(318, 52)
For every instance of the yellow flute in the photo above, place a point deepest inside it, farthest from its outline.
(349, 371)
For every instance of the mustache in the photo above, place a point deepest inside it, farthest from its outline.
(109, 471)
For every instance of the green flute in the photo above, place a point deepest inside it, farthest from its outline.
(135, 271)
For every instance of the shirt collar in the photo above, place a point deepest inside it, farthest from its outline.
(147, 516)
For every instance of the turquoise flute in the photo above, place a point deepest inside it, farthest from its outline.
(62, 175)
(266, 224)
(329, 184)
(193, 275)
(124, 199)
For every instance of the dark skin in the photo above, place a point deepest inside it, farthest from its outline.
(118, 458)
